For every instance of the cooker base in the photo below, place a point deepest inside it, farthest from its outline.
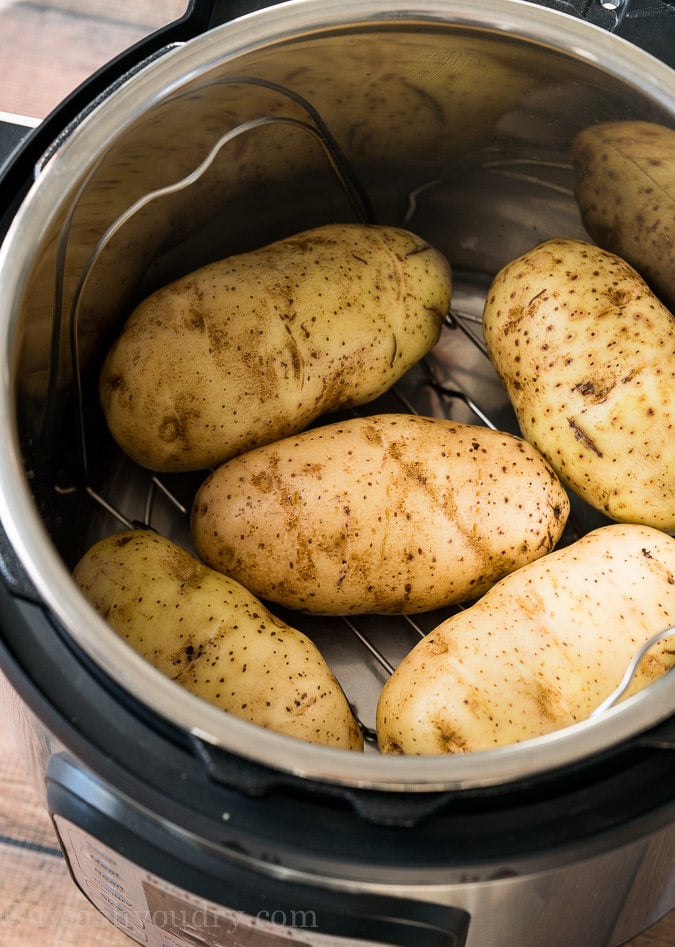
(167, 891)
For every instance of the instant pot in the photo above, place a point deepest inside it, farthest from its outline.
(230, 128)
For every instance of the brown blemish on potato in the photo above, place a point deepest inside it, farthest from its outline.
(659, 567)
(391, 747)
(196, 320)
(122, 540)
(582, 436)
(588, 389)
(170, 430)
(296, 359)
(513, 320)
(546, 700)
(373, 434)
(617, 296)
(437, 644)
(449, 740)
(112, 382)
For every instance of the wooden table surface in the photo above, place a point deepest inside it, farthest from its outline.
(46, 49)
(39, 904)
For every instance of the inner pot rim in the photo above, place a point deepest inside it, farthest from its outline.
(18, 511)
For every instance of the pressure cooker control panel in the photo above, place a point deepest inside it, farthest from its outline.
(165, 888)
(154, 912)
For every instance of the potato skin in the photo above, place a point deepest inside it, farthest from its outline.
(258, 345)
(386, 514)
(625, 189)
(539, 651)
(214, 638)
(586, 353)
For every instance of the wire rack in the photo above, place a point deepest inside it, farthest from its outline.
(456, 381)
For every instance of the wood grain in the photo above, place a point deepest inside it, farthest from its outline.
(145, 13)
(48, 48)
(39, 904)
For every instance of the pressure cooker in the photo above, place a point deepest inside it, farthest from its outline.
(230, 128)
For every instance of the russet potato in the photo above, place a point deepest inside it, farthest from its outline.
(540, 650)
(392, 513)
(625, 189)
(256, 346)
(586, 352)
(210, 635)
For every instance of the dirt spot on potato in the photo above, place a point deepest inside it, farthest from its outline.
(338, 387)
(196, 320)
(513, 320)
(547, 701)
(123, 540)
(437, 645)
(305, 567)
(189, 574)
(450, 740)
(265, 481)
(372, 435)
(659, 568)
(617, 297)
(594, 391)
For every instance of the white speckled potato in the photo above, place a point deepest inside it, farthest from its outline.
(586, 353)
(386, 514)
(214, 638)
(625, 188)
(539, 651)
(258, 345)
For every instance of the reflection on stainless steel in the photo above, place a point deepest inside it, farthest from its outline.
(449, 126)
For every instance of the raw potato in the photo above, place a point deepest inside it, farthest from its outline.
(257, 346)
(387, 514)
(541, 650)
(587, 355)
(210, 635)
(625, 188)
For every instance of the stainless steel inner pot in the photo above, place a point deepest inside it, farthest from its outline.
(451, 118)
